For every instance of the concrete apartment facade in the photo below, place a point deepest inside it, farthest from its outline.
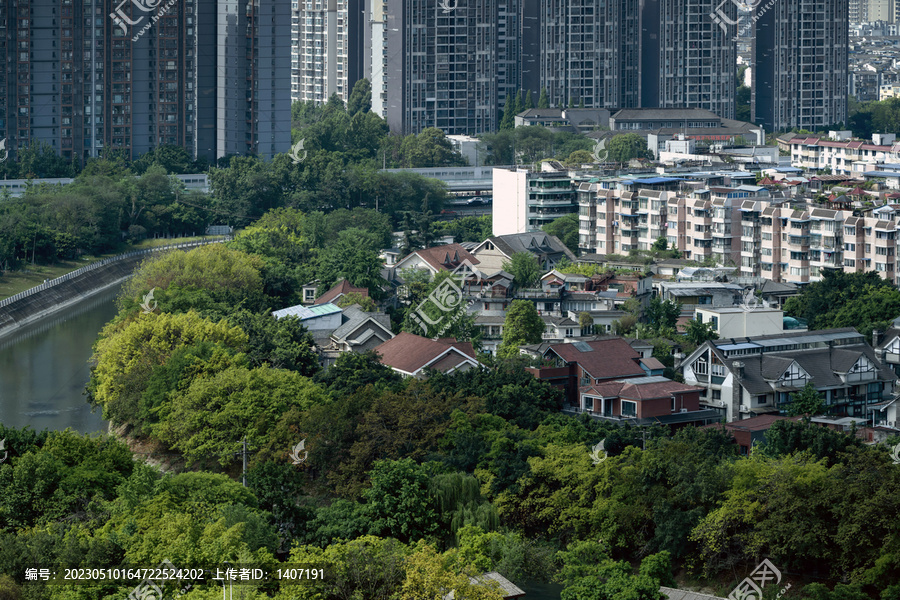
(328, 47)
(800, 52)
(204, 75)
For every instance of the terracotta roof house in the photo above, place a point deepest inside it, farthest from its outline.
(340, 289)
(645, 400)
(439, 258)
(569, 365)
(411, 355)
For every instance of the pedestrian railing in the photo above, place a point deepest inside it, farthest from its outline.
(78, 272)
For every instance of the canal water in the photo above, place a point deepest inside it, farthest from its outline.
(44, 368)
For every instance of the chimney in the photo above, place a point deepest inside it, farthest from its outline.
(876, 337)
(737, 391)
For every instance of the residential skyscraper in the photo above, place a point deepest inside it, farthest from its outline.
(328, 46)
(84, 75)
(800, 53)
(438, 65)
(585, 51)
(687, 59)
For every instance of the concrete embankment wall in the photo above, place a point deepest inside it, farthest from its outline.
(59, 294)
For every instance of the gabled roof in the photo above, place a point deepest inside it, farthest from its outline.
(759, 423)
(823, 365)
(354, 318)
(340, 289)
(603, 359)
(409, 354)
(641, 388)
(441, 258)
(541, 244)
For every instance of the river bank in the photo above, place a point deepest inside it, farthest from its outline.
(59, 294)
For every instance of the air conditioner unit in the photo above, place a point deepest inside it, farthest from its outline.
(684, 410)
(745, 408)
(721, 403)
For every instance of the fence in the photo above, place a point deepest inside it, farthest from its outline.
(105, 261)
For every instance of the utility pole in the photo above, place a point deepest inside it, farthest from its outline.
(244, 471)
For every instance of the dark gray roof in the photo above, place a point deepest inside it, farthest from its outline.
(773, 287)
(354, 317)
(489, 320)
(824, 365)
(665, 113)
(536, 243)
(583, 296)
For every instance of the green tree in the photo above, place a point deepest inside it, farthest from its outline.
(697, 332)
(566, 229)
(399, 500)
(808, 402)
(662, 315)
(352, 371)
(360, 98)
(742, 104)
(543, 100)
(624, 147)
(522, 326)
(209, 418)
(529, 102)
(126, 354)
(586, 323)
(524, 268)
(508, 120)
(660, 244)
(365, 303)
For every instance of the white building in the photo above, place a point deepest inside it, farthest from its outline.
(525, 201)
(738, 321)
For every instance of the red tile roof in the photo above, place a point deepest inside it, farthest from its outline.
(410, 353)
(343, 287)
(444, 258)
(632, 390)
(608, 359)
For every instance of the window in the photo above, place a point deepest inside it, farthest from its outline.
(629, 408)
(701, 367)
